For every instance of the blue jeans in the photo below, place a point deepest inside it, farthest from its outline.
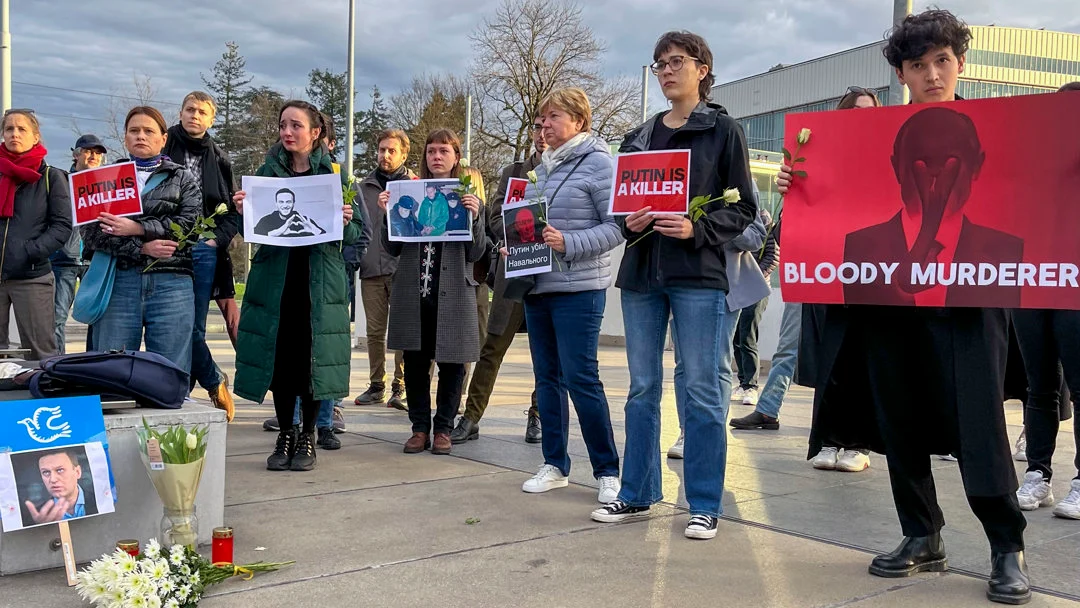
(704, 328)
(325, 419)
(159, 303)
(63, 297)
(203, 369)
(783, 362)
(564, 333)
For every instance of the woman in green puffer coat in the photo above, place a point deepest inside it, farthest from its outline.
(294, 325)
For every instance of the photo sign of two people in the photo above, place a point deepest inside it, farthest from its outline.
(427, 210)
(293, 211)
(967, 204)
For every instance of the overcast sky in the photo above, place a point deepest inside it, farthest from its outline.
(98, 46)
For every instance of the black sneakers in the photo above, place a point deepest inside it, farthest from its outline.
(327, 440)
(304, 458)
(619, 511)
(701, 527)
(284, 450)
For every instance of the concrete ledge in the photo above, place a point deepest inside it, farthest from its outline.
(138, 509)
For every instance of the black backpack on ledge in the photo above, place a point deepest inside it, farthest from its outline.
(147, 378)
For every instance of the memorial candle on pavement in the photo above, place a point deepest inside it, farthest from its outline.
(222, 547)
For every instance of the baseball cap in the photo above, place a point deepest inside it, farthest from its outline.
(90, 141)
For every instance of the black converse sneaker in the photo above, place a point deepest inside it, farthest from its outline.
(702, 527)
(619, 511)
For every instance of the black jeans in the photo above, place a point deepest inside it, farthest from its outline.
(418, 391)
(745, 343)
(1050, 345)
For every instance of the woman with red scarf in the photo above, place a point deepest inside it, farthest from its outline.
(35, 213)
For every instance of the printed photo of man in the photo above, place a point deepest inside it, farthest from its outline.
(60, 473)
(285, 220)
(524, 228)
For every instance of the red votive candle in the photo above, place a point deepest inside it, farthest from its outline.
(131, 547)
(222, 548)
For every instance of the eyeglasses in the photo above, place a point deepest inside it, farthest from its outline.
(537, 127)
(676, 62)
(861, 91)
(19, 111)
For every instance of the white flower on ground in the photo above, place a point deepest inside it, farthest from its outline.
(172, 603)
(153, 549)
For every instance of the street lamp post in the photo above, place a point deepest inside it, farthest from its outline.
(5, 56)
(350, 104)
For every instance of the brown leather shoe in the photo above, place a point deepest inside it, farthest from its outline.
(417, 443)
(442, 444)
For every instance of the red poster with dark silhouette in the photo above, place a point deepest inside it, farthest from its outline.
(969, 203)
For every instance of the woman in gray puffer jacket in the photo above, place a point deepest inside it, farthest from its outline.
(564, 310)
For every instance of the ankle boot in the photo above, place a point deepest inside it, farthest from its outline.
(1009, 582)
(914, 554)
(284, 450)
(304, 458)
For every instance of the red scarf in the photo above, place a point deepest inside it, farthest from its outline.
(16, 169)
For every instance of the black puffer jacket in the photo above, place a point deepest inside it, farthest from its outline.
(40, 226)
(176, 199)
(718, 161)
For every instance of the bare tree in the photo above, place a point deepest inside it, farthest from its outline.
(525, 50)
(431, 102)
(141, 93)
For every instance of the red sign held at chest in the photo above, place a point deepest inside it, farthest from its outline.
(659, 179)
(111, 189)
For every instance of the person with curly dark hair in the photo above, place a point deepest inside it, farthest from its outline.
(958, 355)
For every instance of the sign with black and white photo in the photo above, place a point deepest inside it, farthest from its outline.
(427, 210)
(523, 227)
(293, 211)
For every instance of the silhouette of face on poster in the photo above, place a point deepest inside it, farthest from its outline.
(525, 226)
(936, 158)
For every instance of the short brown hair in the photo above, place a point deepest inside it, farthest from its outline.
(574, 102)
(1069, 86)
(397, 134)
(853, 94)
(150, 111)
(441, 136)
(316, 119)
(29, 115)
(698, 48)
(201, 97)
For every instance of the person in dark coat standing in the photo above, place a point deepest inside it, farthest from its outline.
(934, 376)
(433, 307)
(507, 316)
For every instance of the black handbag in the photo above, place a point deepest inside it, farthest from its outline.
(147, 378)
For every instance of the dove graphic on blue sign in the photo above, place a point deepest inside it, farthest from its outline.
(52, 429)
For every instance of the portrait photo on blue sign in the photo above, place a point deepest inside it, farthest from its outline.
(54, 462)
(427, 210)
(40, 487)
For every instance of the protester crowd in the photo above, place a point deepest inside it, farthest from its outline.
(704, 278)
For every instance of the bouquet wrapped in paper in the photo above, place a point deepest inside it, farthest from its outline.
(174, 460)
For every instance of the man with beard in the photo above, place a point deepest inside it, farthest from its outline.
(376, 269)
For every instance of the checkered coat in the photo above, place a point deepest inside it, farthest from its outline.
(457, 340)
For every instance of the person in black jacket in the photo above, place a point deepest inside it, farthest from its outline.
(35, 207)
(678, 269)
(152, 292)
(191, 146)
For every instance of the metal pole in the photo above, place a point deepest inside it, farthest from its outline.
(351, 92)
(644, 93)
(898, 93)
(5, 56)
(468, 128)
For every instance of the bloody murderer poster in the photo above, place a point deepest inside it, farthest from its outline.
(657, 179)
(969, 203)
(110, 189)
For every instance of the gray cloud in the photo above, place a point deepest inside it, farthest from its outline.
(99, 46)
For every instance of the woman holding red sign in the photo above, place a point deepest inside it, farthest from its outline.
(676, 268)
(37, 222)
(151, 293)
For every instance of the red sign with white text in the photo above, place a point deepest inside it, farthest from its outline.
(110, 189)
(515, 190)
(658, 179)
(968, 204)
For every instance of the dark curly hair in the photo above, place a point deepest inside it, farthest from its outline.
(697, 47)
(920, 33)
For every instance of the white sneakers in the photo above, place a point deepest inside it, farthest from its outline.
(676, 450)
(826, 459)
(852, 461)
(550, 477)
(1035, 492)
(750, 396)
(1020, 453)
(547, 478)
(737, 394)
(1070, 507)
(609, 489)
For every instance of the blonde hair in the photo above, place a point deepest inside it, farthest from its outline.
(574, 102)
(202, 97)
(29, 115)
(398, 134)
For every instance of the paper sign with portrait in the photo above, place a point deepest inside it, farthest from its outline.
(427, 210)
(293, 211)
(523, 227)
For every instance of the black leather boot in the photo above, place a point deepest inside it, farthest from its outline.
(466, 430)
(1008, 579)
(914, 554)
(533, 433)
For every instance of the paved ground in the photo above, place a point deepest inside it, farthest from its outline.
(372, 526)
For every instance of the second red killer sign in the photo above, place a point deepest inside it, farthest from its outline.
(658, 179)
(110, 189)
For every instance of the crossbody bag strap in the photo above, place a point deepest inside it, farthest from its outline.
(572, 169)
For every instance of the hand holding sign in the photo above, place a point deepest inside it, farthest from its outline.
(111, 190)
(657, 179)
(120, 226)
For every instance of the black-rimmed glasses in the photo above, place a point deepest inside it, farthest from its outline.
(676, 62)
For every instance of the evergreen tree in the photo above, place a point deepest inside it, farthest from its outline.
(226, 82)
(369, 123)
